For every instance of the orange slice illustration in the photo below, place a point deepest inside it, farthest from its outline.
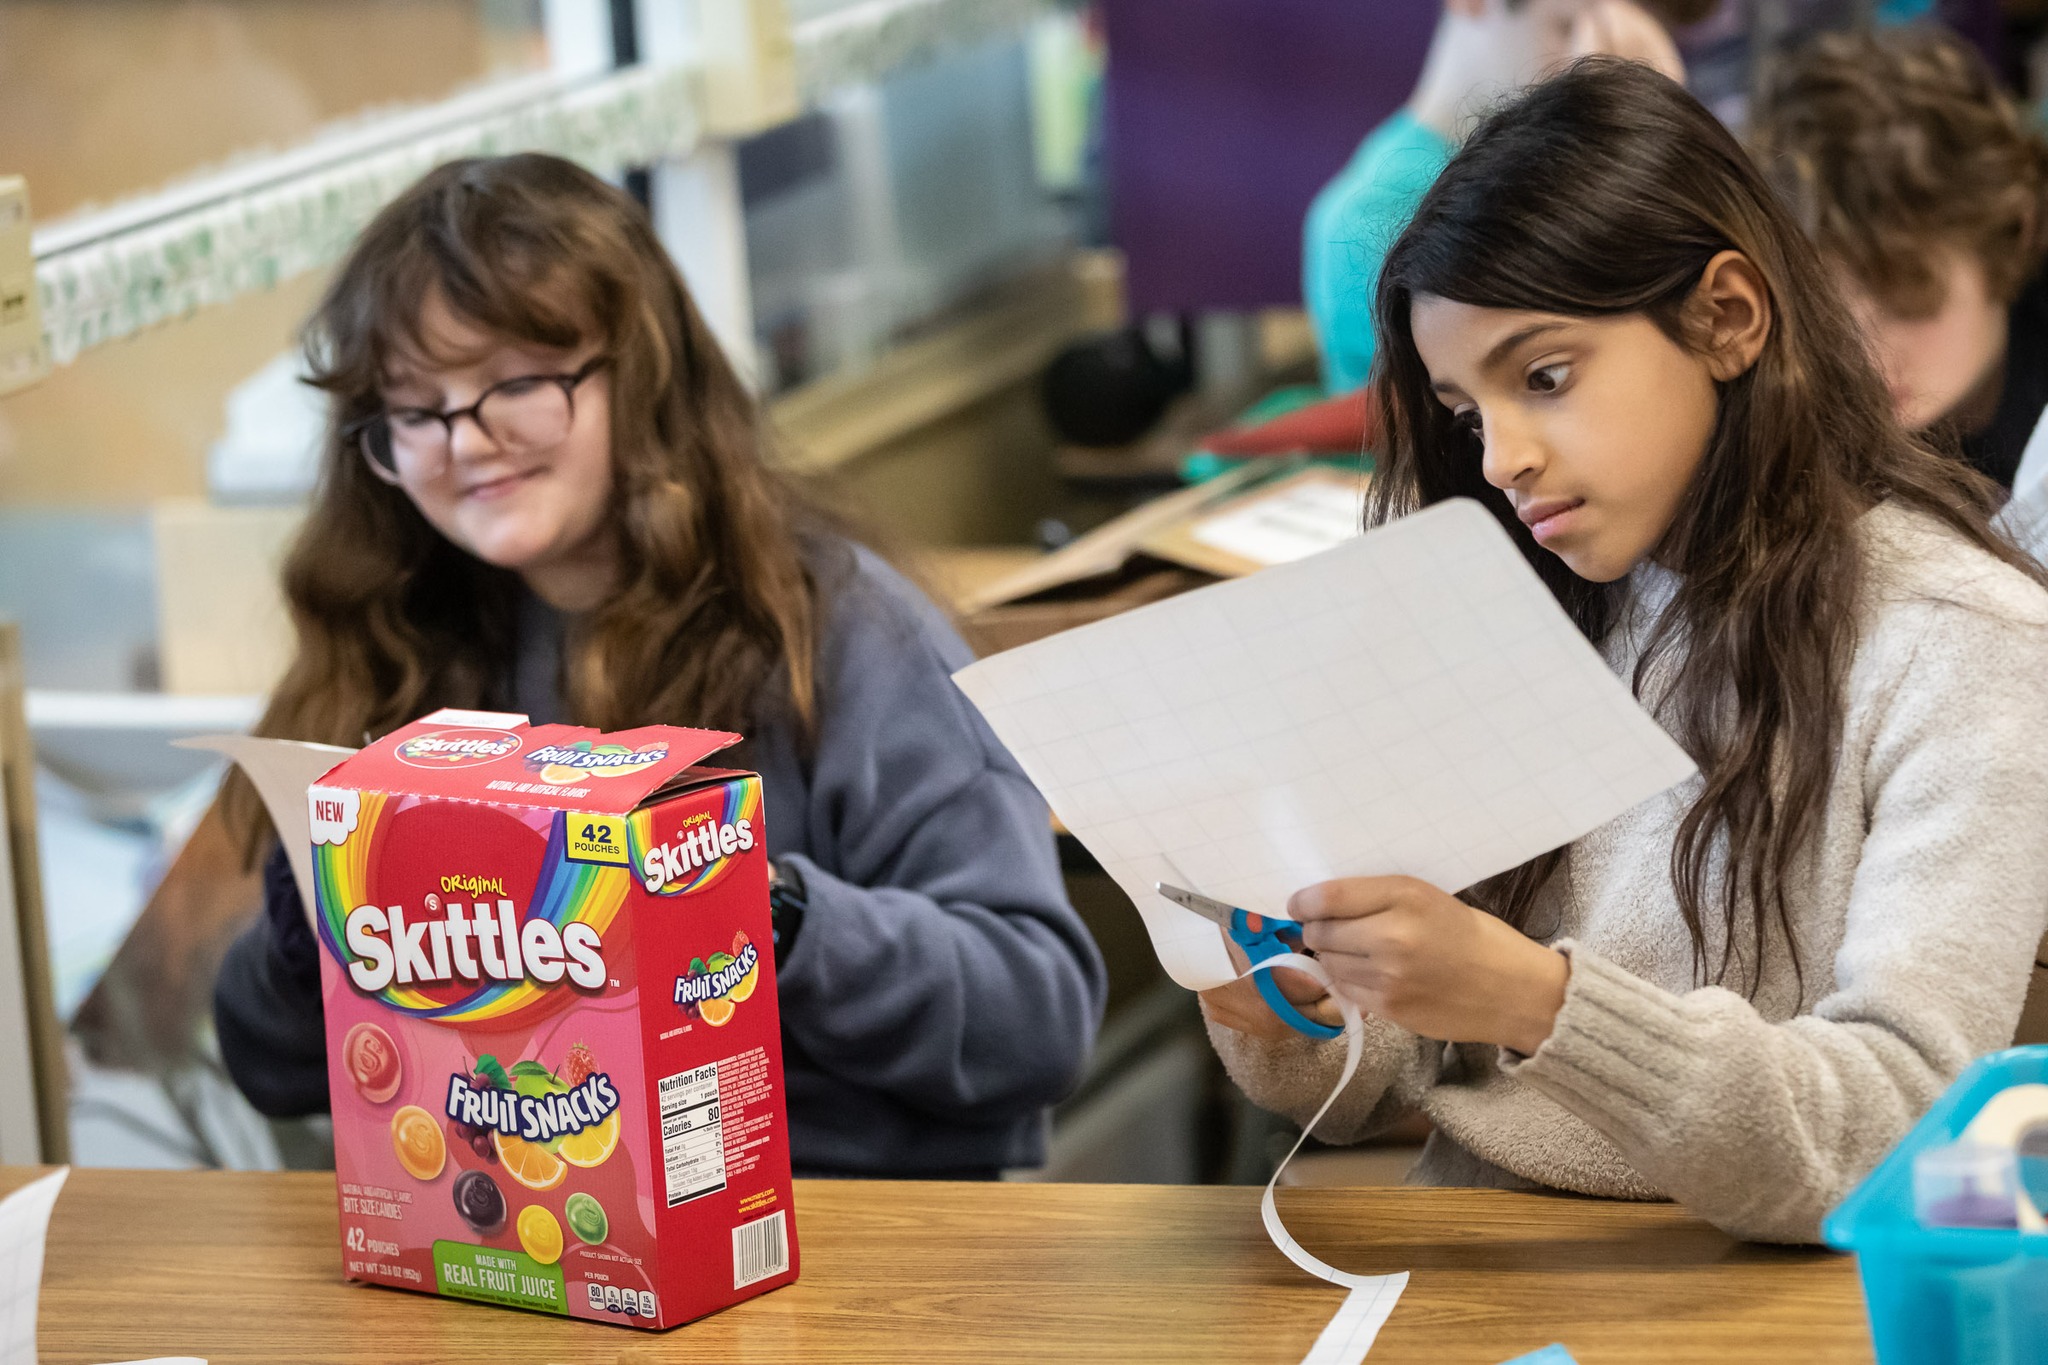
(532, 1166)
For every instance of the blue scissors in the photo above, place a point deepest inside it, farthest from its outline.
(1261, 938)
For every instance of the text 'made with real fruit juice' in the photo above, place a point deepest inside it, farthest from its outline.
(552, 1036)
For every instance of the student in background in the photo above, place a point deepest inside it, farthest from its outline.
(1482, 51)
(1926, 188)
(1604, 326)
(543, 491)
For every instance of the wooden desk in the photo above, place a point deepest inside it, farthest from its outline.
(245, 1268)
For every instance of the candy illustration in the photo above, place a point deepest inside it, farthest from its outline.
(540, 1234)
(371, 1059)
(480, 1202)
(416, 1138)
(586, 1218)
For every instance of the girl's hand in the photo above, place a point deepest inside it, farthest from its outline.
(1239, 1005)
(1431, 963)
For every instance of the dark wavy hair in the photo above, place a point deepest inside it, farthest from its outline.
(715, 619)
(1602, 192)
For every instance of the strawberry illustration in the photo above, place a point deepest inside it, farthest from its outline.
(580, 1066)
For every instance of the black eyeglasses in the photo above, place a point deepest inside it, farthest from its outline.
(523, 416)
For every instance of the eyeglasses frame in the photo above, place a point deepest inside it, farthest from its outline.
(359, 432)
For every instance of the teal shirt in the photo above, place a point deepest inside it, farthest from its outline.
(1350, 227)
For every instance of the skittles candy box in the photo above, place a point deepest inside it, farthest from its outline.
(551, 1027)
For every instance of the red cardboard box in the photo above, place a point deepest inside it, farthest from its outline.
(552, 1037)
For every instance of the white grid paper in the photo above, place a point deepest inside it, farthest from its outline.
(24, 1227)
(1412, 702)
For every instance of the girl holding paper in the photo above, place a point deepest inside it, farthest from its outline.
(544, 491)
(1603, 326)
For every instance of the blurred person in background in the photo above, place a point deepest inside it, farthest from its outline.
(1482, 51)
(1923, 183)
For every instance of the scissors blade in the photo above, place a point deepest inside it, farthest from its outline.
(1207, 907)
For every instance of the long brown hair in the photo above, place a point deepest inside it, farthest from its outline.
(715, 618)
(1602, 192)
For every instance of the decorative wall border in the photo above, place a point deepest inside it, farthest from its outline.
(109, 274)
(867, 40)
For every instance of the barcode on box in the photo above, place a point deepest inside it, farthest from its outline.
(759, 1250)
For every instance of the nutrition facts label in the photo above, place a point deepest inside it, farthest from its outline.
(692, 1134)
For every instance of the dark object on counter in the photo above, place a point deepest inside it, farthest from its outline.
(1111, 389)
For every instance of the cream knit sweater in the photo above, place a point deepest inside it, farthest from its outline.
(1917, 915)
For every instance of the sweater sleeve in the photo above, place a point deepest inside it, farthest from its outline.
(939, 961)
(266, 1004)
(1762, 1127)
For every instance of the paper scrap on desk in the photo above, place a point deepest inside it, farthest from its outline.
(1350, 1333)
(281, 770)
(1412, 702)
(1552, 1354)
(24, 1228)
(24, 1232)
(1290, 524)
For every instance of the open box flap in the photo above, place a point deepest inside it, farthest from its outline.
(488, 756)
(607, 773)
(281, 770)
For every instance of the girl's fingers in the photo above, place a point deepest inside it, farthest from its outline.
(1323, 1010)
(1296, 986)
(1237, 1006)
(1299, 987)
(1354, 897)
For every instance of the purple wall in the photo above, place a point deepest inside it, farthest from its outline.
(1224, 117)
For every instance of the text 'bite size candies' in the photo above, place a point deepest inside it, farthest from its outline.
(554, 1050)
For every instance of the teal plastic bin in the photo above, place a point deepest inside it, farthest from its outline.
(1947, 1296)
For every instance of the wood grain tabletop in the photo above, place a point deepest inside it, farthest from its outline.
(246, 1268)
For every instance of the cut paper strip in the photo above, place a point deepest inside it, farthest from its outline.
(24, 1228)
(1550, 1355)
(1349, 1335)
(281, 770)
(1412, 702)
(1351, 1332)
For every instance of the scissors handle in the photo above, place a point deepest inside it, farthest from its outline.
(1259, 941)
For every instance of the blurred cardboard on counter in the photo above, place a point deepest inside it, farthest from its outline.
(1259, 514)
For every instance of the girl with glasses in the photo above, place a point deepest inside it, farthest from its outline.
(544, 492)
